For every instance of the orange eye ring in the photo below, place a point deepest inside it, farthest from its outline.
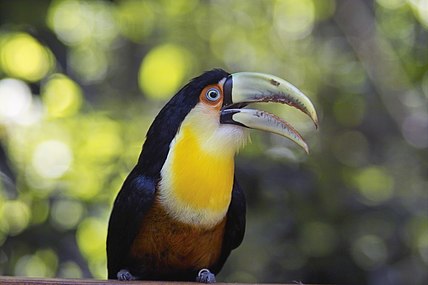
(212, 95)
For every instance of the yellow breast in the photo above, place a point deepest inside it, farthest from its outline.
(197, 177)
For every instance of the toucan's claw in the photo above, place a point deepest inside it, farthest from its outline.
(125, 275)
(205, 276)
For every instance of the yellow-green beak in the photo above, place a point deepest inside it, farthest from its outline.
(243, 88)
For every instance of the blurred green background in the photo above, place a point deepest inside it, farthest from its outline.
(81, 81)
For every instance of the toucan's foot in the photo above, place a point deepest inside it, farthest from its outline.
(125, 275)
(205, 276)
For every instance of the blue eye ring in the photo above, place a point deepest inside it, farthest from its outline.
(213, 94)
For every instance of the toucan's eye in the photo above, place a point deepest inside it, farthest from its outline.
(213, 94)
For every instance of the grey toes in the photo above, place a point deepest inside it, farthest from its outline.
(205, 276)
(125, 275)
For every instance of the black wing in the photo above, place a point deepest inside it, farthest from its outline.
(235, 225)
(130, 206)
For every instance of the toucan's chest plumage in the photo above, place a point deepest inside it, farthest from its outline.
(197, 176)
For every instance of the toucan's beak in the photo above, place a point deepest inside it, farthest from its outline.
(243, 88)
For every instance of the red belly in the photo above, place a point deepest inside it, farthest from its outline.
(164, 245)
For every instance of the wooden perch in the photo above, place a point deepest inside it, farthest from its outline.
(9, 280)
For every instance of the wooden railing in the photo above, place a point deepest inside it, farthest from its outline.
(50, 281)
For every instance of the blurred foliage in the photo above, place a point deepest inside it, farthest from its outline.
(81, 81)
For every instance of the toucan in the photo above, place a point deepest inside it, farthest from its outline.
(180, 211)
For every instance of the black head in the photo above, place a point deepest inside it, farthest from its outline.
(168, 121)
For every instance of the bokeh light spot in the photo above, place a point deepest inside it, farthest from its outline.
(70, 269)
(374, 184)
(78, 22)
(369, 251)
(41, 264)
(84, 183)
(65, 18)
(91, 235)
(163, 70)
(294, 19)
(103, 141)
(66, 213)
(15, 99)
(15, 217)
(61, 96)
(29, 265)
(52, 158)
(24, 57)
(135, 18)
(89, 62)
